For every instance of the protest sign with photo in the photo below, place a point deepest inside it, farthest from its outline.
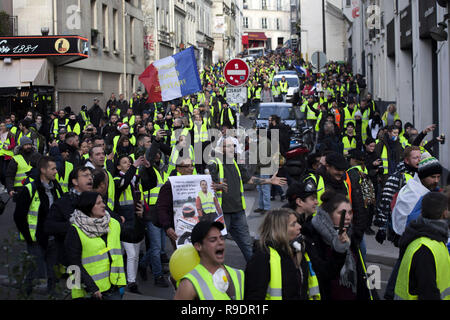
(194, 200)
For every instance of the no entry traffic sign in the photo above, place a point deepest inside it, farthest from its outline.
(236, 72)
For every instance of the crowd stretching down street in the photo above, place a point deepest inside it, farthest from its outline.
(91, 189)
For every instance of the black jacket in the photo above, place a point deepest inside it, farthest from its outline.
(327, 265)
(95, 113)
(422, 276)
(361, 215)
(133, 229)
(23, 205)
(31, 158)
(257, 277)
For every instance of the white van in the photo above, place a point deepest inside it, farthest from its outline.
(293, 86)
(259, 51)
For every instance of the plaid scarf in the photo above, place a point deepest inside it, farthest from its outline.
(92, 227)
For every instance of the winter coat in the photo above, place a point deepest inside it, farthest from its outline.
(422, 276)
(257, 276)
(327, 264)
(23, 205)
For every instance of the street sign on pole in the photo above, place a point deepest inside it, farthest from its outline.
(236, 72)
(319, 60)
(236, 94)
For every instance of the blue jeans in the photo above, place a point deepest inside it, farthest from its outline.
(157, 242)
(44, 259)
(236, 224)
(264, 194)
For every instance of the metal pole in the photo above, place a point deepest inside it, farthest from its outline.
(124, 51)
(324, 35)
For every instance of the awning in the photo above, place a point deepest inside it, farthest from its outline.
(256, 36)
(24, 72)
(244, 39)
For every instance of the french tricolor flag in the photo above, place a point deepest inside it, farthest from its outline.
(172, 77)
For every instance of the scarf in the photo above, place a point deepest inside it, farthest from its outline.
(92, 227)
(323, 224)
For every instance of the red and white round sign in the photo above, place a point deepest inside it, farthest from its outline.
(236, 72)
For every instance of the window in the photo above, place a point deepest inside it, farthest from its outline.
(132, 36)
(264, 23)
(278, 5)
(105, 27)
(116, 30)
(348, 3)
(278, 24)
(264, 4)
(94, 14)
(246, 22)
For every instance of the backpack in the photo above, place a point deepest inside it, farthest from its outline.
(368, 191)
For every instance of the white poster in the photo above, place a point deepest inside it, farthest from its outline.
(194, 200)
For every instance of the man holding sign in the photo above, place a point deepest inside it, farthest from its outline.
(229, 179)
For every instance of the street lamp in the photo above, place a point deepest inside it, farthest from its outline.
(438, 32)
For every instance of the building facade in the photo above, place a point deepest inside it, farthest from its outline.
(392, 44)
(322, 28)
(266, 23)
(224, 13)
(114, 30)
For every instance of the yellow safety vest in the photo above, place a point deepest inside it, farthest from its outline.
(202, 135)
(22, 168)
(95, 258)
(208, 204)
(5, 152)
(64, 181)
(111, 191)
(56, 125)
(203, 284)
(76, 128)
(174, 157)
(348, 145)
(385, 161)
(283, 86)
(152, 194)
(116, 139)
(230, 116)
(349, 116)
(442, 263)
(274, 289)
(33, 210)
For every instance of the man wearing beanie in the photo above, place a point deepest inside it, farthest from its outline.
(427, 179)
(21, 165)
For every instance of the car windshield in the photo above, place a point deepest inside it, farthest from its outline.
(292, 82)
(285, 113)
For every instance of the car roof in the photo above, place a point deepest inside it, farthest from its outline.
(287, 72)
(277, 104)
(287, 75)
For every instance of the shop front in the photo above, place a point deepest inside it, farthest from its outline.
(27, 69)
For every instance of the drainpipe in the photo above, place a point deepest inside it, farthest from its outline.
(124, 51)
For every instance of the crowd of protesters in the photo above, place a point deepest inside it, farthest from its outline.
(91, 189)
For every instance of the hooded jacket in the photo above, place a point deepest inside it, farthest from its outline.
(422, 276)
